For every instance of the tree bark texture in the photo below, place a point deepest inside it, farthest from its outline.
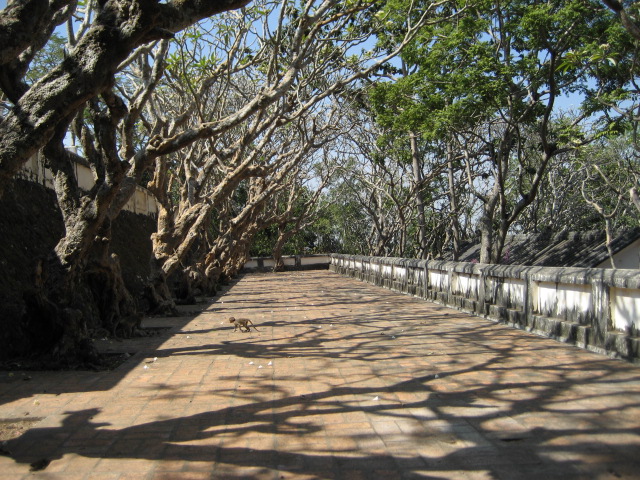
(89, 70)
(416, 166)
(78, 292)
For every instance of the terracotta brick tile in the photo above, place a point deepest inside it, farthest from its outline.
(343, 401)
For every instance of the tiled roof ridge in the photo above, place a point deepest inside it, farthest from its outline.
(585, 248)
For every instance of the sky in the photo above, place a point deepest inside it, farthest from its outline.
(567, 102)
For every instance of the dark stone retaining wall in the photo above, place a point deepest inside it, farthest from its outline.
(30, 227)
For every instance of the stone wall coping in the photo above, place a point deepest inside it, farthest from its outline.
(568, 275)
(306, 255)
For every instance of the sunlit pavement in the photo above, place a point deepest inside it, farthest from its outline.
(342, 380)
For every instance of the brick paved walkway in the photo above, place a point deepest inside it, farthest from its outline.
(344, 380)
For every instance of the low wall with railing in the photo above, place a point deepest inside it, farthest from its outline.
(291, 262)
(593, 308)
(142, 202)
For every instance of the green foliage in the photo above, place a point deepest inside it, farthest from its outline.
(262, 245)
(483, 65)
(346, 227)
(47, 58)
(491, 57)
(317, 238)
(493, 66)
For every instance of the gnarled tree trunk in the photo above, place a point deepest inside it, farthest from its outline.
(119, 28)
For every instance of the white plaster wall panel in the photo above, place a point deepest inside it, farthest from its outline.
(513, 291)
(152, 206)
(48, 178)
(467, 285)
(34, 170)
(415, 276)
(31, 169)
(131, 205)
(628, 257)
(454, 283)
(251, 264)
(33, 166)
(400, 273)
(287, 261)
(547, 300)
(358, 265)
(386, 271)
(439, 279)
(557, 299)
(269, 262)
(140, 201)
(314, 260)
(574, 298)
(85, 177)
(625, 308)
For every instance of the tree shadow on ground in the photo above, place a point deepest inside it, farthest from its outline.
(442, 442)
(478, 406)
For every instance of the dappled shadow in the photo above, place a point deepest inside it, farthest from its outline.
(156, 330)
(384, 389)
(16, 384)
(453, 443)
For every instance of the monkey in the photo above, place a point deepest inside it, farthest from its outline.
(127, 325)
(242, 323)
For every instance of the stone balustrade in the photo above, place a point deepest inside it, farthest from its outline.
(593, 308)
